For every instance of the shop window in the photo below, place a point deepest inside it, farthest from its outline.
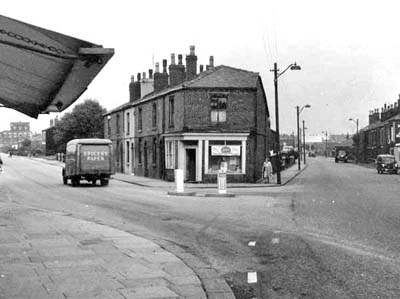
(170, 154)
(218, 108)
(230, 153)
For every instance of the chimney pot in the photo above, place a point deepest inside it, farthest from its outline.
(138, 76)
(157, 67)
(132, 78)
(201, 68)
(211, 61)
(192, 50)
(150, 74)
(172, 59)
(144, 75)
(180, 59)
(164, 63)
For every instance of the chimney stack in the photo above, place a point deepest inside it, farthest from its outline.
(201, 68)
(134, 89)
(191, 64)
(211, 61)
(176, 71)
(161, 79)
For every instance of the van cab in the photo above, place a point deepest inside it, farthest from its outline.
(89, 159)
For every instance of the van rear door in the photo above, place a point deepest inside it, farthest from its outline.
(95, 158)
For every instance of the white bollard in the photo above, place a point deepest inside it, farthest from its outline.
(221, 182)
(179, 180)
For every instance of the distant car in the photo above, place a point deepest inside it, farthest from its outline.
(311, 154)
(386, 163)
(341, 155)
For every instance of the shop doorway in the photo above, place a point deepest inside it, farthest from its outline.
(190, 164)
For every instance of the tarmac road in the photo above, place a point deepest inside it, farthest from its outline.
(333, 232)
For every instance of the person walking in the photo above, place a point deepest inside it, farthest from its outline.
(267, 170)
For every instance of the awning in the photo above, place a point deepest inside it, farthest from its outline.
(43, 71)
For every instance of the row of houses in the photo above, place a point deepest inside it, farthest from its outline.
(192, 120)
(382, 133)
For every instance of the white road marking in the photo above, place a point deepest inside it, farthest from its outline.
(252, 243)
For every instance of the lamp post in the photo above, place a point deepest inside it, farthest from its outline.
(304, 142)
(299, 110)
(292, 66)
(358, 137)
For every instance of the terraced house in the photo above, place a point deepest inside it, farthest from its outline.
(193, 121)
(382, 134)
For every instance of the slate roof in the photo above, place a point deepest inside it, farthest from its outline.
(225, 77)
(221, 76)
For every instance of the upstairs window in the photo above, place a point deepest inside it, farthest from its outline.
(118, 123)
(154, 116)
(128, 123)
(218, 108)
(140, 120)
(171, 110)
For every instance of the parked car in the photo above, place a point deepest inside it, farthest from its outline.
(341, 155)
(386, 163)
(311, 154)
(88, 159)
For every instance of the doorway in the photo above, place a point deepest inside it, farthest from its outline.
(190, 164)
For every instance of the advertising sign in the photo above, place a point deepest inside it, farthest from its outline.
(225, 150)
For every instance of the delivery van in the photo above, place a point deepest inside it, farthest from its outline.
(88, 159)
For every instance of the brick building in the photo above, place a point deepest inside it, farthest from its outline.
(382, 133)
(193, 121)
(18, 132)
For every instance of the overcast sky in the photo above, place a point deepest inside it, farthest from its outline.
(349, 51)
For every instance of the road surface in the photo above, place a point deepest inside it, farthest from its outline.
(333, 232)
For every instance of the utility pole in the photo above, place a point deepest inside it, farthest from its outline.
(298, 139)
(304, 142)
(278, 145)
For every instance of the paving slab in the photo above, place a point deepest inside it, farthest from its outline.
(53, 255)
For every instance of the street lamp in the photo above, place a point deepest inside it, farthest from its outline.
(299, 110)
(358, 138)
(304, 141)
(292, 66)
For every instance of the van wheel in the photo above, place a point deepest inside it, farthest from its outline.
(75, 182)
(94, 182)
(65, 180)
(104, 181)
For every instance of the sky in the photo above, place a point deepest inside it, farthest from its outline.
(349, 51)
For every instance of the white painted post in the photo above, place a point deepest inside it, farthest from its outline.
(179, 180)
(221, 178)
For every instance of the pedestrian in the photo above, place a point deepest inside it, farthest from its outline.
(267, 170)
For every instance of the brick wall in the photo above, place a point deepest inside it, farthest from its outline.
(240, 112)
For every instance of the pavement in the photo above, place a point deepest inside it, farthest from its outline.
(46, 254)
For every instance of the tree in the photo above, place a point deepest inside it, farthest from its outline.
(85, 121)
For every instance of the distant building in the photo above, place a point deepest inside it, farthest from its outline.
(49, 146)
(19, 131)
(382, 133)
